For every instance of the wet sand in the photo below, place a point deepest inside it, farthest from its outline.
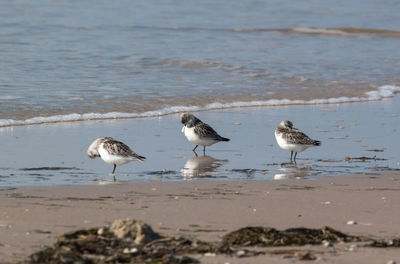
(33, 217)
(345, 130)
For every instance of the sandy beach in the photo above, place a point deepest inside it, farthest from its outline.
(33, 217)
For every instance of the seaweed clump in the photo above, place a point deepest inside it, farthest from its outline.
(125, 241)
(271, 237)
(395, 243)
(132, 241)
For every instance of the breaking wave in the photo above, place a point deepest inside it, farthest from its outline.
(343, 31)
(382, 92)
(336, 31)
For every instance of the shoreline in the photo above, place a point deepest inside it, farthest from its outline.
(33, 217)
(381, 93)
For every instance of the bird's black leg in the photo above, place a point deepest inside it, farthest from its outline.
(291, 155)
(194, 150)
(204, 151)
(295, 154)
(115, 166)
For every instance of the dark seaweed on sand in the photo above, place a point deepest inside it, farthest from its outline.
(270, 237)
(131, 241)
(385, 243)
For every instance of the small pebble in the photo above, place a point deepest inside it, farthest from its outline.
(240, 253)
(209, 254)
(100, 231)
(391, 262)
(390, 243)
(352, 247)
(130, 251)
(328, 244)
(351, 222)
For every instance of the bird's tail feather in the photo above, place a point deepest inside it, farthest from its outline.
(141, 157)
(137, 157)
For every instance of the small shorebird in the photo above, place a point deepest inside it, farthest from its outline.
(292, 139)
(199, 133)
(112, 152)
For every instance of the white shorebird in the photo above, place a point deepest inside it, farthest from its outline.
(292, 139)
(199, 133)
(112, 152)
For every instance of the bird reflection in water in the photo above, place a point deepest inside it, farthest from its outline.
(201, 166)
(293, 171)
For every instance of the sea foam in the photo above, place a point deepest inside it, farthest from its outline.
(380, 93)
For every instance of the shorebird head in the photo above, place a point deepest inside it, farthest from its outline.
(93, 150)
(286, 124)
(188, 119)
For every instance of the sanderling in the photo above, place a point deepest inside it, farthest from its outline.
(199, 133)
(112, 152)
(292, 139)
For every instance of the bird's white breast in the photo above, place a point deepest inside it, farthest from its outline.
(111, 158)
(196, 139)
(283, 144)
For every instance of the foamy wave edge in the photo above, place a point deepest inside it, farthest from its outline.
(382, 92)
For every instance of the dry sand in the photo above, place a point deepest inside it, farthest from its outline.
(33, 217)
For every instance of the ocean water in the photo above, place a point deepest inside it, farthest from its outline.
(78, 60)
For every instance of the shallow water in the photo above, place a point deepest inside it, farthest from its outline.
(59, 58)
(55, 154)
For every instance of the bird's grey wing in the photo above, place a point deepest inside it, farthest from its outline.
(118, 148)
(297, 137)
(204, 130)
